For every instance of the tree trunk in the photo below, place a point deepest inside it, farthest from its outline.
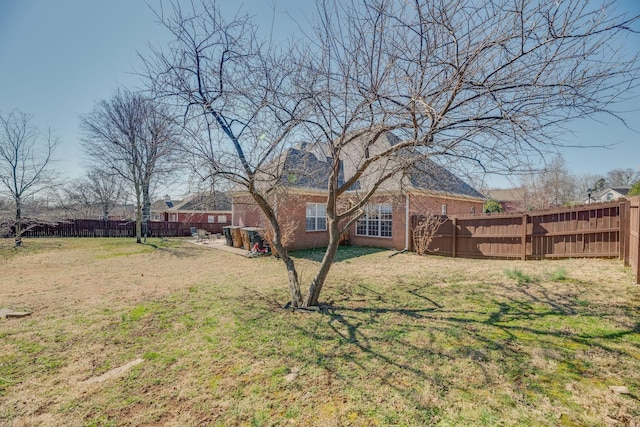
(146, 210)
(18, 225)
(292, 273)
(316, 285)
(138, 216)
(294, 283)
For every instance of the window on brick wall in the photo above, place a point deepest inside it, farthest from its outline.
(316, 217)
(444, 209)
(376, 221)
(211, 218)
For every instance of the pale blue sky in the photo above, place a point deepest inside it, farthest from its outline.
(57, 57)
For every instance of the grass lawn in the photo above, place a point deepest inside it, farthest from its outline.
(403, 340)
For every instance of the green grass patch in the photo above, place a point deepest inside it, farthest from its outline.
(558, 275)
(345, 253)
(519, 276)
(406, 340)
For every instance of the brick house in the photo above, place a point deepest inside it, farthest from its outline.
(196, 208)
(423, 188)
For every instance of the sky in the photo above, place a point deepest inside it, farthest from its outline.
(59, 57)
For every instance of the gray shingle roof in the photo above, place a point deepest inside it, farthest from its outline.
(428, 175)
(303, 169)
(217, 201)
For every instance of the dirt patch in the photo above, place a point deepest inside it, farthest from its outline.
(60, 281)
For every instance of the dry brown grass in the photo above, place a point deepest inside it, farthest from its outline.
(405, 340)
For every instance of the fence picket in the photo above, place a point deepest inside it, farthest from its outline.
(596, 230)
(99, 228)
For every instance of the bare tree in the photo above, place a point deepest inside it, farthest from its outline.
(134, 138)
(622, 176)
(6, 218)
(25, 161)
(379, 86)
(587, 183)
(97, 194)
(424, 231)
(552, 186)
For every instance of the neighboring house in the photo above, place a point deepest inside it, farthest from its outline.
(198, 208)
(303, 171)
(607, 195)
(511, 199)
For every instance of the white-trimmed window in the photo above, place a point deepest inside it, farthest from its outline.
(443, 209)
(211, 219)
(376, 221)
(316, 217)
(222, 218)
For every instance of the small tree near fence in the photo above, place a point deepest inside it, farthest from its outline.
(425, 229)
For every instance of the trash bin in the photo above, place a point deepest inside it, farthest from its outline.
(246, 244)
(236, 235)
(227, 235)
(253, 236)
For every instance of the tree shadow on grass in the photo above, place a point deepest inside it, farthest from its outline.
(171, 248)
(528, 343)
(344, 253)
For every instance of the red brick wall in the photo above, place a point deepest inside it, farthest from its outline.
(293, 211)
(397, 239)
(246, 212)
(423, 203)
(203, 217)
(418, 204)
(187, 217)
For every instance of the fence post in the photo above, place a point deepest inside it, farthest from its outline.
(624, 231)
(634, 235)
(524, 237)
(454, 237)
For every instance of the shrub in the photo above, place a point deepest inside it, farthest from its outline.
(635, 190)
(493, 206)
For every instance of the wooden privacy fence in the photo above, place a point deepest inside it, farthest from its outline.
(99, 228)
(632, 256)
(603, 230)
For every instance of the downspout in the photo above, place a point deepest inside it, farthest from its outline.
(233, 205)
(406, 232)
